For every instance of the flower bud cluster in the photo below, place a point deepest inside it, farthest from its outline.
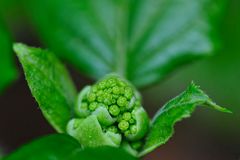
(109, 113)
(119, 98)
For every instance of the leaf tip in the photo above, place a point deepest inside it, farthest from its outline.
(228, 111)
(225, 110)
(193, 85)
(19, 48)
(219, 108)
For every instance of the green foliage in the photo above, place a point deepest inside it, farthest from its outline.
(8, 71)
(50, 84)
(102, 153)
(63, 147)
(108, 113)
(175, 110)
(57, 147)
(140, 40)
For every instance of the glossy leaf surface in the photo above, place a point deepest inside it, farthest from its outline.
(64, 147)
(49, 83)
(57, 147)
(141, 40)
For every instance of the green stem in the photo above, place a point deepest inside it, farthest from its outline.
(121, 38)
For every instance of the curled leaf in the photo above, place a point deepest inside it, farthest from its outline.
(182, 106)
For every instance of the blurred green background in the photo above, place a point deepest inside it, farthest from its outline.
(207, 135)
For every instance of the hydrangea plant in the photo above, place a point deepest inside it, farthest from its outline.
(124, 45)
(107, 116)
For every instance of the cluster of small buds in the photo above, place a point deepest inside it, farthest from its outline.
(109, 113)
(119, 98)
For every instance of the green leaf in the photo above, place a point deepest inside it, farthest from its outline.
(8, 72)
(141, 40)
(64, 147)
(49, 83)
(175, 110)
(102, 153)
(53, 147)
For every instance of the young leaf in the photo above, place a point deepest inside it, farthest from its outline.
(101, 153)
(57, 147)
(49, 83)
(64, 147)
(8, 72)
(178, 108)
(141, 40)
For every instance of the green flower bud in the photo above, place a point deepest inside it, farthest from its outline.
(128, 93)
(100, 99)
(93, 106)
(116, 90)
(111, 82)
(133, 129)
(122, 101)
(109, 90)
(114, 110)
(91, 97)
(127, 133)
(113, 101)
(108, 112)
(102, 85)
(107, 98)
(122, 83)
(123, 125)
(113, 129)
(127, 116)
(131, 121)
